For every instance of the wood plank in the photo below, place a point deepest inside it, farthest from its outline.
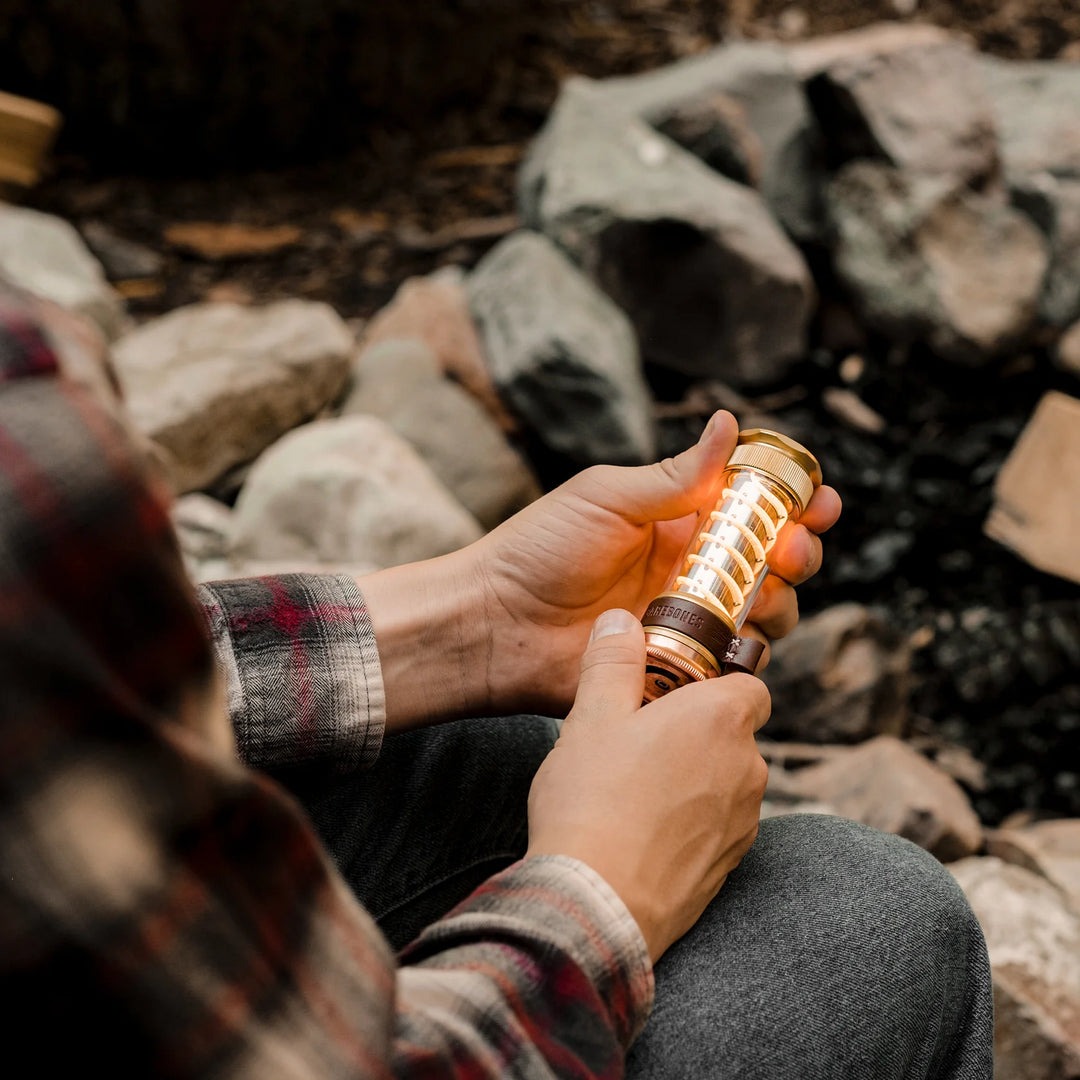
(27, 131)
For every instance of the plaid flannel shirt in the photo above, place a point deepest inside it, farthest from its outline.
(164, 909)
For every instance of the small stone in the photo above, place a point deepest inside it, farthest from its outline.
(887, 785)
(850, 409)
(841, 675)
(346, 491)
(215, 384)
(1048, 848)
(852, 368)
(562, 354)
(123, 259)
(218, 241)
(401, 382)
(959, 270)
(46, 256)
(1036, 508)
(1033, 939)
(713, 286)
(435, 310)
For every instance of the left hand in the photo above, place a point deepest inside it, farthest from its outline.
(609, 538)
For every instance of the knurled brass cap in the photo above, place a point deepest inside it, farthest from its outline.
(781, 458)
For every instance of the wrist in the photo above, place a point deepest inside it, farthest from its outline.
(433, 637)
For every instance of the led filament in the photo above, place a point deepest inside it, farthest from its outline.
(692, 628)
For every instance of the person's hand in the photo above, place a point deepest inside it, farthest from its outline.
(608, 538)
(661, 801)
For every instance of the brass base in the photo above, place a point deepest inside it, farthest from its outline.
(674, 660)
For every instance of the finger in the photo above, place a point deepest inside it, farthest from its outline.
(823, 510)
(613, 667)
(776, 609)
(669, 489)
(796, 555)
(736, 700)
(753, 630)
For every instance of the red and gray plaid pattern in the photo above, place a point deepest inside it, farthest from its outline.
(165, 911)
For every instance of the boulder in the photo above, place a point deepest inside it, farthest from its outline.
(957, 269)
(203, 526)
(1037, 111)
(1048, 848)
(401, 382)
(713, 286)
(922, 109)
(435, 311)
(740, 109)
(840, 676)
(215, 384)
(1036, 509)
(1033, 939)
(562, 354)
(46, 256)
(346, 491)
(886, 784)
(815, 55)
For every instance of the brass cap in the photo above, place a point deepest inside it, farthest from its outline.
(781, 458)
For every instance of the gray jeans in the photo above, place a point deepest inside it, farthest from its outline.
(833, 951)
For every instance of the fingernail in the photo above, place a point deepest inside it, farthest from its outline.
(615, 621)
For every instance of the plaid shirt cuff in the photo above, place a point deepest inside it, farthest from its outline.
(559, 906)
(301, 668)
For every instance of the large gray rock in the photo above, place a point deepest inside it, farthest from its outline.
(815, 55)
(713, 286)
(215, 384)
(346, 491)
(840, 676)
(401, 382)
(1037, 109)
(46, 256)
(562, 355)
(1053, 203)
(886, 784)
(1033, 939)
(740, 109)
(923, 108)
(960, 270)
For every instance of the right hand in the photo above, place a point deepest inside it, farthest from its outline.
(663, 800)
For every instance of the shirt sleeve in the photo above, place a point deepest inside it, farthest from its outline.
(301, 668)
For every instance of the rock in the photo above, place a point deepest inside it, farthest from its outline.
(346, 491)
(713, 286)
(922, 109)
(215, 384)
(810, 58)
(740, 109)
(1036, 509)
(850, 409)
(1054, 205)
(203, 526)
(561, 354)
(1048, 848)
(959, 270)
(1068, 350)
(887, 785)
(841, 676)
(1037, 110)
(401, 382)
(123, 260)
(435, 310)
(46, 256)
(1034, 944)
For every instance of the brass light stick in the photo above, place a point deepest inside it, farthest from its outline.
(692, 629)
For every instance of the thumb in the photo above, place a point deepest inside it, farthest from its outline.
(613, 667)
(669, 489)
